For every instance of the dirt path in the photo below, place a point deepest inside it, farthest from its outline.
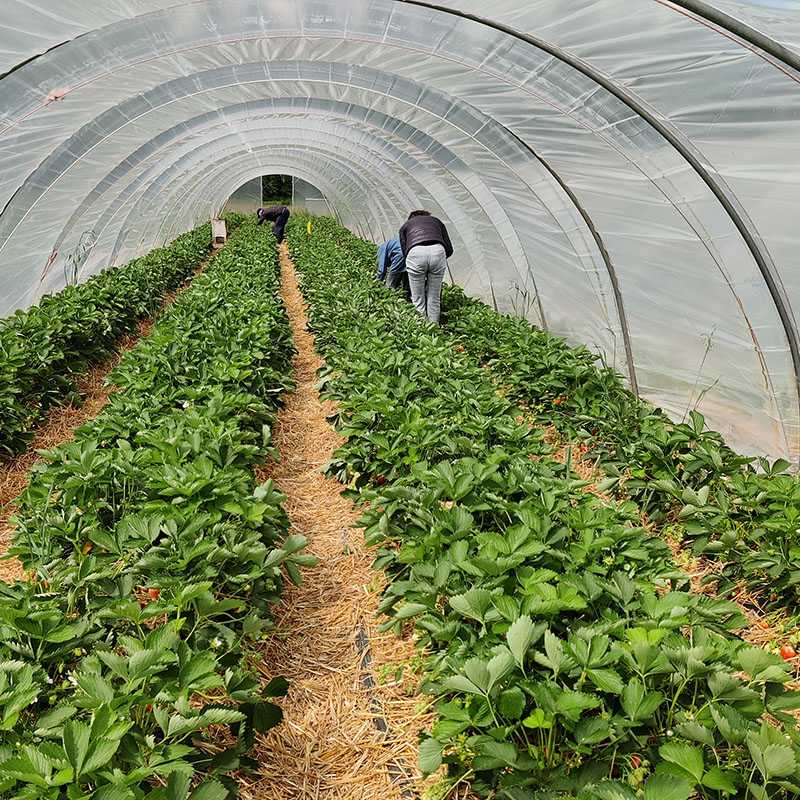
(348, 733)
(60, 424)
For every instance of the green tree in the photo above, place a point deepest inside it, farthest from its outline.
(276, 187)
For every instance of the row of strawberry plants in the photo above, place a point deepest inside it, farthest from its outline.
(566, 661)
(155, 559)
(44, 347)
(743, 511)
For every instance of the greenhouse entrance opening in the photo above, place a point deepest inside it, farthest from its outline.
(269, 190)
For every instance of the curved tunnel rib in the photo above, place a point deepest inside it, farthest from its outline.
(612, 275)
(738, 215)
(447, 168)
(408, 201)
(418, 133)
(742, 30)
(581, 213)
(153, 192)
(612, 278)
(684, 188)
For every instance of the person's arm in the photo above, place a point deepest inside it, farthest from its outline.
(381, 273)
(403, 241)
(448, 245)
(396, 263)
(387, 264)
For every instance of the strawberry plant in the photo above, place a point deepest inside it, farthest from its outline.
(155, 560)
(568, 656)
(741, 510)
(44, 347)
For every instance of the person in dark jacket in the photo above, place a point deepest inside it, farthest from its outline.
(426, 246)
(278, 215)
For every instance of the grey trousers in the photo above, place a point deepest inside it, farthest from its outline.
(426, 266)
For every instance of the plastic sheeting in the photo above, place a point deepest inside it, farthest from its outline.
(627, 180)
(308, 197)
(246, 199)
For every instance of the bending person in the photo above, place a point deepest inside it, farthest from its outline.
(426, 246)
(392, 266)
(279, 215)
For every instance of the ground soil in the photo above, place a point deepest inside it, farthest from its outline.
(351, 721)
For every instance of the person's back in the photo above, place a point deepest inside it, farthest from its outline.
(272, 213)
(279, 215)
(426, 246)
(423, 229)
(392, 265)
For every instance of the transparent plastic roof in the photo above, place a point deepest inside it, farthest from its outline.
(627, 180)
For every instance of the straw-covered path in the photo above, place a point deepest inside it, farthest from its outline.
(63, 420)
(350, 728)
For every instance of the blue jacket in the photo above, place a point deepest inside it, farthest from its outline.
(390, 259)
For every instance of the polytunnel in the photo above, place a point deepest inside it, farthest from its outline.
(399, 400)
(630, 176)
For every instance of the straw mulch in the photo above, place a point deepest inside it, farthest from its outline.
(351, 722)
(767, 629)
(580, 463)
(59, 427)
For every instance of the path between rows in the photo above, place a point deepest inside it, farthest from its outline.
(62, 421)
(349, 733)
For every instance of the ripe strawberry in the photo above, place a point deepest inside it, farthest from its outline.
(788, 652)
(154, 594)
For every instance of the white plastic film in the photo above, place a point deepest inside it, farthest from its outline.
(307, 197)
(246, 199)
(626, 179)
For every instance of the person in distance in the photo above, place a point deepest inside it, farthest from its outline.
(278, 215)
(392, 266)
(426, 246)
